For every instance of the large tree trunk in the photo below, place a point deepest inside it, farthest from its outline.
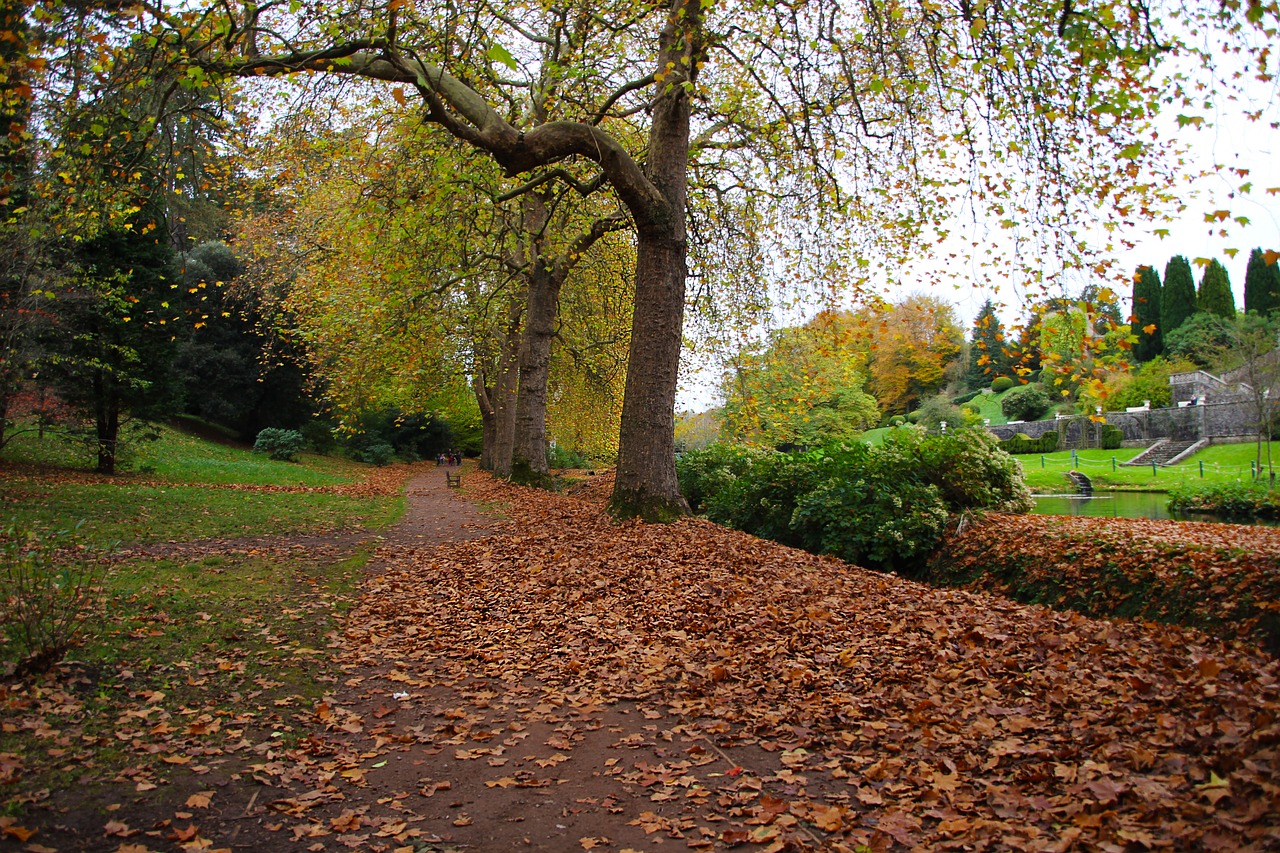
(646, 484)
(529, 460)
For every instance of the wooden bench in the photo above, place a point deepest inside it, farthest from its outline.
(453, 479)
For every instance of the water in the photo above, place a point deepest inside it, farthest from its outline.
(1105, 504)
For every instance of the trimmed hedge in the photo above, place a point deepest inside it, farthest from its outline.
(1001, 384)
(1112, 437)
(1022, 443)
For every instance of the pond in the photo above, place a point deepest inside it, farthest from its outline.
(1106, 504)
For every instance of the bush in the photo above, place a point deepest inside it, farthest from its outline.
(914, 416)
(1241, 500)
(562, 457)
(1001, 384)
(897, 420)
(1025, 403)
(964, 398)
(281, 444)
(378, 453)
(48, 590)
(1112, 437)
(1023, 443)
(884, 507)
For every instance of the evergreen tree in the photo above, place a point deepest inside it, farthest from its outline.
(1178, 297)
(989, 351)
(1215, 292)
(1145, 321)
(1261, 284)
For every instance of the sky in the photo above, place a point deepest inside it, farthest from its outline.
(1227, 141)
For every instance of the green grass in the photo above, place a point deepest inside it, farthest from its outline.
(229, 640)
(172, 494)
(989, 407)
(1223, 463)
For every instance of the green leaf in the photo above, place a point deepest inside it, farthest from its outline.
(498, 53)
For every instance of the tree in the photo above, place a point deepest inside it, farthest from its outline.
(1201, 340)
(803, 389)
(112, 343)
(1178, 298)
(1147, 315)
(1254, 348)
(1261, 284)
(910, 345)
(988, 350)
(1215, 295)
(822, 94)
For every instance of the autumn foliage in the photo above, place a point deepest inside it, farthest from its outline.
(1222, 578)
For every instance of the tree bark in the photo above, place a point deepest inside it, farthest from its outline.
(529, 458)
(646, 484)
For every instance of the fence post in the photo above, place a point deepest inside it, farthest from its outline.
(1201, 469)
(1153, 467)
(1074, 460)
(1113, 463)
(1041, 460)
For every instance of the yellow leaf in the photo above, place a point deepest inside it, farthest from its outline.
(398, 94)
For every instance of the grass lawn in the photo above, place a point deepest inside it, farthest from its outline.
(171, 492)
(1222, 463)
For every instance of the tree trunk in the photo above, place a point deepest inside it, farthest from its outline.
(504, 404)
(106, 425)
(646, 485)
(529, 459)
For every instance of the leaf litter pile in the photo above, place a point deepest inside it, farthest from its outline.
(569, 683)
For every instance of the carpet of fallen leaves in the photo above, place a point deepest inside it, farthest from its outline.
(894, 714)
(1223, 578)
(686, 686)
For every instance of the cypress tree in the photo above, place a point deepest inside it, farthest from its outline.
(1178, 297)
(1145, 321)
(1215, 292)
(1261, 284)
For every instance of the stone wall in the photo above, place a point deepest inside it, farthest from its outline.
(1179, 423)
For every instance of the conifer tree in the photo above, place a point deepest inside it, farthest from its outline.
(1215, 292)
(1178, 296)
(988, 353)
(1261, 284)
(1145, 320)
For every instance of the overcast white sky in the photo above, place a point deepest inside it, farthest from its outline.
(1229, 142)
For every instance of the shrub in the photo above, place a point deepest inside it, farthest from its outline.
(964, 398)
(377, 453)
(1112, 437)
(559, 456)
(1001, 384)
(1242, 500)
(873, 509)
(883, 507)
(1023, 443)
(1025, 403)
(897, 421)
(48, 589)
(281, 444)
(914, 416)
(319, 436)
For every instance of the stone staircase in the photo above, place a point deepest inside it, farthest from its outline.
(1161, 453)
